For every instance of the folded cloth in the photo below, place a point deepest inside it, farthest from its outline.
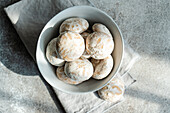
(30, 16)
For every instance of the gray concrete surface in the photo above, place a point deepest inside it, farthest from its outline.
(145, 25)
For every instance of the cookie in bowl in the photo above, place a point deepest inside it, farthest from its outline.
(99, 45)
(101, 28)
(85, 35)
(70, 46)
(80, 69)
(102, 67)
(77, 25)
(63, 77)
(51, 54)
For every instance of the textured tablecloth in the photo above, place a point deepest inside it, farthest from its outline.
(29, 18)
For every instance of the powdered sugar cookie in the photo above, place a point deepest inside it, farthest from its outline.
(99, 45)
(70, 46)
(63, 77)
(102, 67)
(85, 54)
(101, 28)
(51, 54)
(113, 91)
(77, 25)
(80, 69)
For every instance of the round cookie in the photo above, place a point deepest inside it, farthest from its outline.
(63, 77)
(51, 54)
(80, 69)
(85, 54)
(70, 46)
(77, 25)
(102, 67)
(99, 45)
(101, 28)
(113, 91)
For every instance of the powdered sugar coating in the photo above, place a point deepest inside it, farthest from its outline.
(51, 54)
(80, 69)
(85, 54)
(63, 77)
(101, 28)
(99, 45)
(77, 25)
(70, 46)
(102, 67)
(113, 91)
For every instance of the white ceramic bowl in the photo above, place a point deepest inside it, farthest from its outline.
(51, 30)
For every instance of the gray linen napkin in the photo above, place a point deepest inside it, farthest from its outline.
(29, 18)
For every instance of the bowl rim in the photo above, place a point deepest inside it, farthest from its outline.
(122, 40)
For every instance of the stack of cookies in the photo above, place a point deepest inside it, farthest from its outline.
(81, 54)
